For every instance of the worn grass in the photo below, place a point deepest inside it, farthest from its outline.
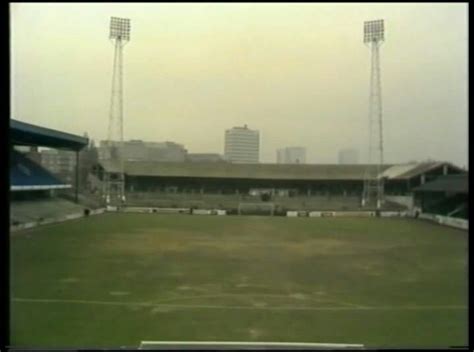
(118, 279)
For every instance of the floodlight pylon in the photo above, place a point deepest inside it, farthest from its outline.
(114, 178)
(373, 181)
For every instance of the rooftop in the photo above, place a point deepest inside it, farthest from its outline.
(448, 183)
(22, 133)
(267, 171)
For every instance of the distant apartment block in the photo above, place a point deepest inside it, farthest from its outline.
(291, 155)
(348, 156)
(242, 145)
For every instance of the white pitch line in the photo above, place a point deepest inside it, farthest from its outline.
(240, 295)
(150, 304)
(248, 344)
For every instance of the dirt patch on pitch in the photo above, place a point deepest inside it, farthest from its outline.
(260, 304)
(314, 246)
(184, 288)
(167, 241)
(149, 242)
(298, 296)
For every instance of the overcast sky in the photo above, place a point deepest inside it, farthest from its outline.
(298, 73)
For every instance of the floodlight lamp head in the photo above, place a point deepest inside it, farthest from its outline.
(374, 31)
(119, 28)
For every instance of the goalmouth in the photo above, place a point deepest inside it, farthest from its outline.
(246, 208)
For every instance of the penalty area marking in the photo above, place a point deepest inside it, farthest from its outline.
(241, 345)
(186, 306)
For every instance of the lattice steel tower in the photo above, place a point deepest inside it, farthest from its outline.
(114, 181)
(373, 182)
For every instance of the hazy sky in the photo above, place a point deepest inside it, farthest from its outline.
(298, 73)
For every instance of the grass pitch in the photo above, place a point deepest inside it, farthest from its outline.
(118, 279)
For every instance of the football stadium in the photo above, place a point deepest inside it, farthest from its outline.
(142, 244)
(235, 254)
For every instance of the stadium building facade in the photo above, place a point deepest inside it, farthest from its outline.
(321, 183)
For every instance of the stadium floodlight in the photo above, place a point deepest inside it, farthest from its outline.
(373, 31)
(114, 182)
(373, 184)
(119, 28)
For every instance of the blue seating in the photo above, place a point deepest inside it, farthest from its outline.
(26, 173)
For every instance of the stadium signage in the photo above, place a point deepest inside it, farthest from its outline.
(341, 213)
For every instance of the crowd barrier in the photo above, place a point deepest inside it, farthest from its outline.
(155, 210)
(443, 220)
(97, 211)
(209, 212)
(54, 220)
(390, 214)
(440, 219)
(320, 214)
(446, 220)
(202, 212)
